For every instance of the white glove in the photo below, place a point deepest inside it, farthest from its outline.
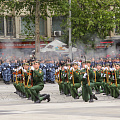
(44, 65)
(65, 68)
(71, 77)
(24, 70)
(104, 75)
(85, 75)
(106, 68)
(86, 66)
(111, 69)
(32, 68)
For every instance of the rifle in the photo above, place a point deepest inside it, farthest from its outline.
(88, 80)
(59, 76)
(115, 79)
(107, 76)
(95, 75)
(67, 75)
(28, 77)
(16, 77)
(73, 77)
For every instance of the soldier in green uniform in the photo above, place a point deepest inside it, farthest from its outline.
(88, 83)
(107, 80)
(38, 85)
(116, 82)
(75, 81)
(61, 79)
(66, 82)
(98, 79)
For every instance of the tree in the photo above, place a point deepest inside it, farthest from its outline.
(91, 18)
(33, 10)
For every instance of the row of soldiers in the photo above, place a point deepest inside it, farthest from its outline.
(104, 80)
(28, 82)
(7, 68)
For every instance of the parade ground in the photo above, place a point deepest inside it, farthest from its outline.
(12, 107)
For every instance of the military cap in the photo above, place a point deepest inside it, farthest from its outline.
(26, 64)
(117, 64)
(83, 62)
(107, 64)
(68, 64)
(36, 61)
(88, 61)
(99, 64)
(75, 63)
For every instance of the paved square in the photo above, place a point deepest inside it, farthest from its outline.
(12, 107)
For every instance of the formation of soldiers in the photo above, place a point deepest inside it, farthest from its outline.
(29, 77)
(28, 82)
(7, 67)
(101, 77)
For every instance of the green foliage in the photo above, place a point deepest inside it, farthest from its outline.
(93, 17)
(28, 8)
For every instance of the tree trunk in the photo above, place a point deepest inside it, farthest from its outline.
(37, 30)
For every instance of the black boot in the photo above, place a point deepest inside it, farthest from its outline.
(47, 96)
(91, 98)
(37, 101)
(94, 97)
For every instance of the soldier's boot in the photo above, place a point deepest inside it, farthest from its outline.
(91, 98)
(94, 97)
(37, 100)
(24, 96)
(30, 98)
(118, 97)
(47, 96)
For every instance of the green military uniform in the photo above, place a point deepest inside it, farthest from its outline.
(38, 85)
(66, 82)
(115, 84)
(107, 81)
(88, 84)
(98, 81)
(61, 81)
(75, 83)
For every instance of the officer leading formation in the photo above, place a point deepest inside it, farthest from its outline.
(76, 79)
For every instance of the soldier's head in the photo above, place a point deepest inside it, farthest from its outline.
(68, 65)
(26, 66)
(7, 61)
(75, 65)
(36, 65)
(83, 64)
(88, 63)
(99, 66)
(108, 65)
(117, 66)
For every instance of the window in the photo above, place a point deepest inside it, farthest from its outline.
(56, 23)
(9, 26)
(1, 25)
(28, 28)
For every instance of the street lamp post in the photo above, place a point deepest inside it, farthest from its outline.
(70, 43)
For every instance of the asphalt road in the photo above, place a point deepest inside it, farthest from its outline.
(12, 107)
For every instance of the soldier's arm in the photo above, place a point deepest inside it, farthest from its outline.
(38, 73)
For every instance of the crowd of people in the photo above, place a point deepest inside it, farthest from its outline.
(29, 76)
